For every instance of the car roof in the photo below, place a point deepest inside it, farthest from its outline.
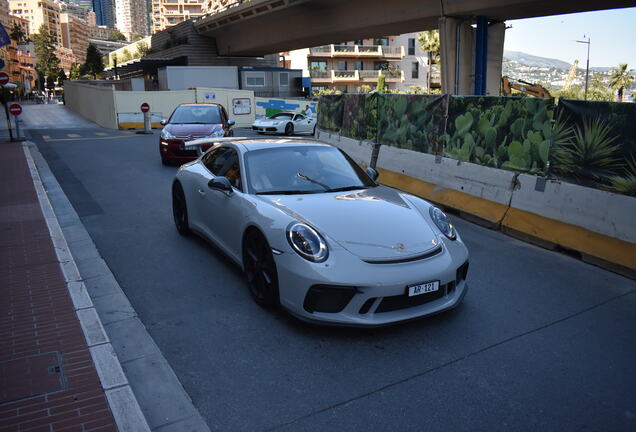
(260, 143)
(200, 104)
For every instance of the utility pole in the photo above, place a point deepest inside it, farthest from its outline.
(587, 67)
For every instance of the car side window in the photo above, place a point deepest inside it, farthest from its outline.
(299, 117)
(225, 162)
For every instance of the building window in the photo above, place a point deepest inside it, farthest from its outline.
(380, 65)
(255, 79)
(341, 65)
(359, 42)
(411, 46)
(415, 70)
(283, 79)
(381, 41)
(318, 66)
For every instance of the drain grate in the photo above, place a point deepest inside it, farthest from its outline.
(31, 376)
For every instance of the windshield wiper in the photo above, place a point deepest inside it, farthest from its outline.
(287, 192)
(347, 188)
(304, 177)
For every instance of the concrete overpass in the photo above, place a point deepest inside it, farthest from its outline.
(261, 27)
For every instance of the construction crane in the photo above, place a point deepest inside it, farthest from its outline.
(523, 86)
(571, 75)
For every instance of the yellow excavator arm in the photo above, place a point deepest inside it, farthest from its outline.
(523, 86)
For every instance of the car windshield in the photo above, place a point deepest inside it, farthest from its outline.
(282, 116)
(302, 170)
(196, 115)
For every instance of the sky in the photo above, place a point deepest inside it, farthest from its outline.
(612, 33)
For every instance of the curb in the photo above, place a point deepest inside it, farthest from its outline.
(125, 355)
(122, 401)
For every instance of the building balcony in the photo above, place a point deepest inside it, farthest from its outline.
(355, 76)
(358, 52)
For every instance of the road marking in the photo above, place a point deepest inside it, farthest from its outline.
(92, 139)
(129, 132)
(46, 137)
(73, 135)
(101, 133)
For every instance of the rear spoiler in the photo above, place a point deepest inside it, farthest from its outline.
(198, 143)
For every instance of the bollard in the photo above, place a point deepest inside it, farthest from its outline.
(147, 123)
(17, 127)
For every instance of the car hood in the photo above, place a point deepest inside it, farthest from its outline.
(270, 122)
(374, 224)
(193, 130)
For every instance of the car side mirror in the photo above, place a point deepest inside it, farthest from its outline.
(222, 184)
(231, 123)
(372, 173)
(163, 122)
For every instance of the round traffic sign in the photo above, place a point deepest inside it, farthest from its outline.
(15, 109)
(145, 107)
(4, 78)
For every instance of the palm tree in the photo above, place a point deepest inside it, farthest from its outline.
(429, 42)
(620, 79)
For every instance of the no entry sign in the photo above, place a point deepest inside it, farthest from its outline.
(4, 78)
(15, 109)
(145, 107)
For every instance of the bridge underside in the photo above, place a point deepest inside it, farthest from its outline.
(262, 27)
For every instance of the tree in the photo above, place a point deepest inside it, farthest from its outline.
(76, 71)
(620, 79)
(45, 50)
(125, 55)
(61, 76)
(142, 50)
(429, 42)
(116, 35)
(93, 65)
(136, 37)
(381, 86)
(17, 34)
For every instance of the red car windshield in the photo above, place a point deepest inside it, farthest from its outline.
(196, 115)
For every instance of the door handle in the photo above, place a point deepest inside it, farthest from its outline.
(201, 192)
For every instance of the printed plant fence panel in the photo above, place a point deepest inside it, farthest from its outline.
(596, 144)
(360, 116)
(330, 108)
(414, 122)
(503, 132)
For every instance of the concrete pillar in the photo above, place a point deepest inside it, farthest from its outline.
(456, 53)
(496, 36)
(452, 29)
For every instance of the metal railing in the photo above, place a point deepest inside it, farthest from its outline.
(357, 50)
(340, 74)
(320, 74)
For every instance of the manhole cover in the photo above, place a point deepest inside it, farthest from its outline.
(31, 376)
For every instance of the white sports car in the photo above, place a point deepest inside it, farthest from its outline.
(286, 123)
(316, 234)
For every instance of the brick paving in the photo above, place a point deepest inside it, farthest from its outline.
(48, 381)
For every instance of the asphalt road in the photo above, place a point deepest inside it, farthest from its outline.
(541, 342)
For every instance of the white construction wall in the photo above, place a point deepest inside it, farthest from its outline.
(188, 77)
(95, 103)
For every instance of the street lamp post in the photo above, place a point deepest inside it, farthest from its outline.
(587, 66)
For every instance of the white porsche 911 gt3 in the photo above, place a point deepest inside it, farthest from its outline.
(286, 123)
(316, 234)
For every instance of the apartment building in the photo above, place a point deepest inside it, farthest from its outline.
(167, 13)
(75, 35)
(79, 11)
(38, 13)
(66, 57)
(131, 17)
(350, 65)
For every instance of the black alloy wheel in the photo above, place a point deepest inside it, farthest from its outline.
(180, 210)
(260, 269)
(289, 129)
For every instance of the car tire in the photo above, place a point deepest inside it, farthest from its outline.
(289, 129)
(180, 209)
(314, 131)
(164, 161)
(260, 269)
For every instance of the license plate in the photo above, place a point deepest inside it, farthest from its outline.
(423, 288)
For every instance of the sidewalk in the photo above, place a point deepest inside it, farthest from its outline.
(48, 381)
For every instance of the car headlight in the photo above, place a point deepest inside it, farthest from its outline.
(166, 135)
(442, 222)
(307, 242)
(217, 133)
